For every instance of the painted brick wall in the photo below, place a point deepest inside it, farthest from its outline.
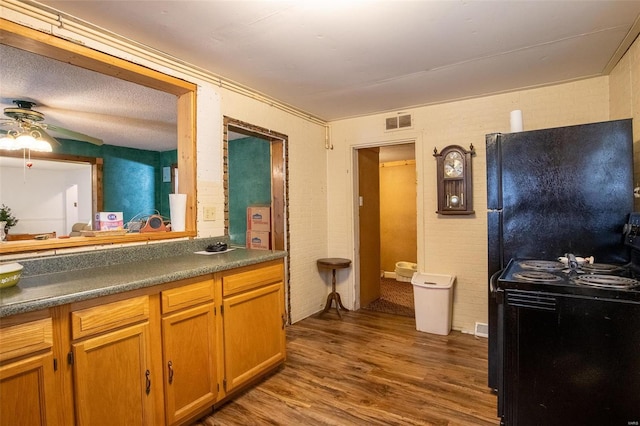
(452, 245)
(307, 197)
(624, 99)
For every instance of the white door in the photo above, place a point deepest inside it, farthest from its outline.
(71, 208)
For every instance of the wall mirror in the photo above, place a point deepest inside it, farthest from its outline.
(180, 159)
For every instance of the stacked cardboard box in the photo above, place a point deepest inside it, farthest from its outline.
(259, 227)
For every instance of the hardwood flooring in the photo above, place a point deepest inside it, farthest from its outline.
(371, 368)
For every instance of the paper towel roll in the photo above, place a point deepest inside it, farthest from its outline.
(178, 211)
(516, 121)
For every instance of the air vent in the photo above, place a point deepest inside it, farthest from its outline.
(398, 122)
(482, 330)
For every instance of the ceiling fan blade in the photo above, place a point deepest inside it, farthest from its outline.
(74, 135)
(46, 136)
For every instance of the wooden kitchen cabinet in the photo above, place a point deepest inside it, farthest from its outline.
(161, 355)
(112, 364)
(254, 322)
(189, 350)
(27, 378)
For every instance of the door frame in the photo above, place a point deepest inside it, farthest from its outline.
(416, 140)
(279, 189)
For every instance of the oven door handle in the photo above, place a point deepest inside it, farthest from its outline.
(493, 281)
(493, 287)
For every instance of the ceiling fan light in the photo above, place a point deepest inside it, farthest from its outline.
(25, 141)
(8, 142)
(42, 146)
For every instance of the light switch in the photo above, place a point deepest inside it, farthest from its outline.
(209, 213)
(166, 174)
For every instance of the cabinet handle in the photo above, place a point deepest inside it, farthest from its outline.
(146, 375)
(170, 365)
(284, 321)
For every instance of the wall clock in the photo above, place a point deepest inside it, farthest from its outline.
(455, 193)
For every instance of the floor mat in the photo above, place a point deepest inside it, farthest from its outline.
(395, 298)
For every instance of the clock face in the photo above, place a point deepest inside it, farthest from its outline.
(453, 164)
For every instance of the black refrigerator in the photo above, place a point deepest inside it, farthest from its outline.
(556, 191)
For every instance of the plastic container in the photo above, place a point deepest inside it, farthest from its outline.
(433, 301)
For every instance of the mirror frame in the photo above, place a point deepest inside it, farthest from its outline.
(48, 45)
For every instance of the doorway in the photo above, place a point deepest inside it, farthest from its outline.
(258, 156)
(387, 225)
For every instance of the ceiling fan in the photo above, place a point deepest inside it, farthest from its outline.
(27, 119)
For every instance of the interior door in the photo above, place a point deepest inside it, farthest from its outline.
(369, 224)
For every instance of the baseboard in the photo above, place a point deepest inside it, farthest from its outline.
(388, 274)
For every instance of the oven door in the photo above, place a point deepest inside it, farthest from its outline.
(570, 360)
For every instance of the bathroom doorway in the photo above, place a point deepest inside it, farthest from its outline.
(391, 239)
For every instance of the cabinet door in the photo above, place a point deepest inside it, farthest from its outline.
(112, 378)
(26, 392)
(189, 361)
(254, 336)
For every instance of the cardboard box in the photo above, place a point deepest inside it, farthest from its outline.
(258, 240)
(259, 218)
(105, 221)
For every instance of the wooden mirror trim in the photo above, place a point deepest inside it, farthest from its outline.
(53, 47)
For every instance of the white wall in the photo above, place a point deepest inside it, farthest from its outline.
(450, 244)
(37, 196)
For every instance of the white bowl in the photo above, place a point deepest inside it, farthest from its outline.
(10, 274)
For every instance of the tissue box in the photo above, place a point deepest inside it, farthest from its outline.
(105, 221)
(259, 218)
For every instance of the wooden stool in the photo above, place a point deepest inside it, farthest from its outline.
(334, 263)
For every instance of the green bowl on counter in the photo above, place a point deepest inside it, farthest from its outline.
(10, 274)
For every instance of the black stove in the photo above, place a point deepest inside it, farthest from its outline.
(591, 280)
(569, 338)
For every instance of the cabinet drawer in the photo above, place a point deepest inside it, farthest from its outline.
(251, 277)
(23, 339)
(187, 295)
(90, 321)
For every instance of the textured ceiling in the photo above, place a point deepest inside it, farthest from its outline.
(337, 59)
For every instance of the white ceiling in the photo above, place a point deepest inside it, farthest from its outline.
(337, 59)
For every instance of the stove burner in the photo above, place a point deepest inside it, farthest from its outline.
(536, 276)
(541, 265)
(601, 268)
(606, 281)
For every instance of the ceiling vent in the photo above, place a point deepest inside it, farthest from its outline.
(399, 122)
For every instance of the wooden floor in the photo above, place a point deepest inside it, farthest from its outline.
(371, 368)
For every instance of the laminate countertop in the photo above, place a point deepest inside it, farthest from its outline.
(58, 288)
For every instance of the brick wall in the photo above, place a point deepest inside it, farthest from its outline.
(624, 99)
(451, 245)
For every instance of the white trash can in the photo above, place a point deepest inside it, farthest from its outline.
(433, 301)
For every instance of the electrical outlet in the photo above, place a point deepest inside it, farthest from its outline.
(209, 213)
